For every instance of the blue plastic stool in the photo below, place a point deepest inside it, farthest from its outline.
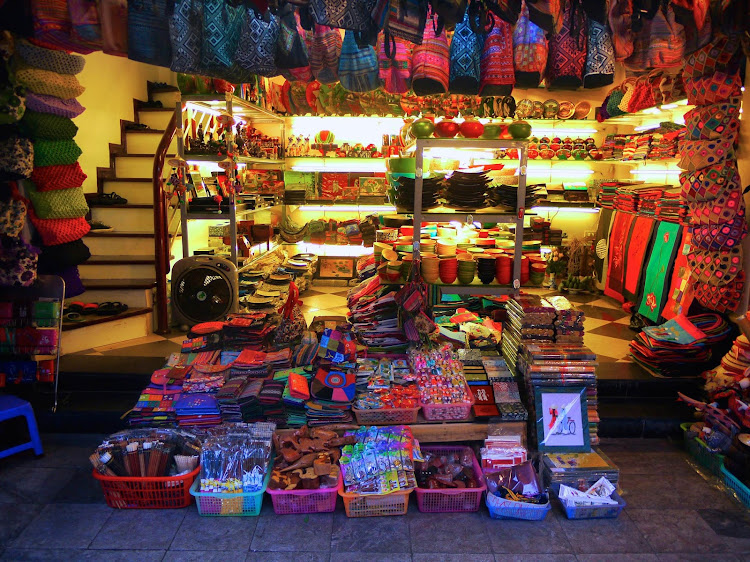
(13, 407)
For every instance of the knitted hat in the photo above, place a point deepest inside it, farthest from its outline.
(431, 63)
(496, 65)
(50, 104)
(16, 158)
(47, 126)
(60, 231)
(40, 81)
(58, 204)
(49, 178)
(55, 152)
(49, 59)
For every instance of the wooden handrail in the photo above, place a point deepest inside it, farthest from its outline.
(161, 236)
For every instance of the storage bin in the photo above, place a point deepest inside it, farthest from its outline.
(448, 412)
(734, 483)
(387, 416)
(508, 509)
(451, 499)
(698, 449)
(375, 505)
(213, 504)
(591, 511)
(162, 492)
(286, 502)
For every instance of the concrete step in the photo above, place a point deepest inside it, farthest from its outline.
(146, 141)
(154, 117)
(117, 267)
(120, 243)
(126, 218)
(134, 298)
(138, 191)
(132, 324)
(137, 166)
(167, 99)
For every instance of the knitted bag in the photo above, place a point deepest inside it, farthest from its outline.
(567, 49)
(70, 108)
(49, 83)
(721, 235)
(148, 29)
(395, 71)
(18, 263)
(185, 35)
(60, 231)
(727, 207)
(465, 57)
(16, 158)
(705, 184)
(599, 70)
(713, 89)
(114, 19)
(50, 178)
(621, 22)
(406, 20)
(49, 59)
(58, 204)
(713, 121)
(529, 51)
(37, 125)
(717, 55)
(324, 51)
(697, 154)
(291, 51)
(358, 67)
(715, 268)
(52, 26)
(56, 258)
(721, 299)
(431, 63)
(497, 76)
(84, 19)
(642, 96)
(12, 216)
(55, 152)
(257, 48)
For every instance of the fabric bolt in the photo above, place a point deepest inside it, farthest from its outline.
(713, 121)
(70, 108)
(114, 21)
(618, 241)
(567, 49)
(56, 152)
(431, 63)
(599, 69)
(53, 27)
(497, 76)
(465, 58)
(60, 231)
(257, 46)
(148, 30)
(676, 298)
(705, 184)
(63, 256)
(49, 83)
(715, 268)
(37, 125)
(639, 243)
(358, 67)
(395, 71)
(50, 59)
(58, 204)
(659, 270)
(697, 154)
(717, 88)
(324, 50)
(16, 158)
(529, 51)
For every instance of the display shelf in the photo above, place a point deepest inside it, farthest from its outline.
(475, 288)
(241, 159)
(244, 108)
(673, 111)
(482, 215)
(545, 206)
(335, 164)
(240, 209)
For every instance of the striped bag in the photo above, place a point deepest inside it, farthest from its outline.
(358, 68)
(324, 51)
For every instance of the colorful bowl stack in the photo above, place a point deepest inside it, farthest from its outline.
(504, 269)
(430, 268)
(467, 269)
(59, 205)
(486, 267)
(448, 268)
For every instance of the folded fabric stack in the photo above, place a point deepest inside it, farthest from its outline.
(673, 208)
(58, 206)
(636, 147)
(607, 194)
(530, 318)
(228, 397)
(681, 347)
(568, 322)
(270, 400)
(249, 402)
(294, 402)
(247, 331)
(278, 360)
(252, 364)
(374, 317)
(561, 365)
(504, 390)
(155, 407)
(648, 199)
(664, 145)
(613, 147)
(197, 410)
(626, 199)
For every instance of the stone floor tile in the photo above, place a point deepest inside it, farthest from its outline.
(295, 556)
(609, 557)
(532, 537)
(370, 534)
(204, 555)
(535, 557)
(64, 526)
(648, 464)
(374, 557)
(612, 536)
(688, 490)
(82, 488)
(148, 529)
(214, 533)
(442, 557)
(448, 532)
(15, 518)
(293, 533)
(76, 555)
(677, 530)
(733, 525)
(32, 485)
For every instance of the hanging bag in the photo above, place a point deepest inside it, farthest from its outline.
(358, 67)
(18, 263)
(185, 35)
(497, 76)
(256, 52)
(292, 325)
(58, 204)
(222, 25)
(395, 67)
(324, 51)
(12, 216)
(351, 15)
(114, 21)
(148, 30)
(529, 51)
(567, 49)
(291, 51)
(53, 28)
(448, 12)
(599, 70)
(406, 20)
(85, 25)
(431, 62)
(465, 57)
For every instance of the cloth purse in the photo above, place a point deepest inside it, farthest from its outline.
(16, 158)
(395, 71)
(60, 231)
(641, 95)
(55, 152)
(713, 121)
(52, 26)
(697, 154)
(727, 206)
(599, 70)
(351, 15)
(257, 49)
(291, 51)
(49, 59)
(49, 178)
(714, 237)
(705, 184)
(715, 268)
(358, 67)
(84, 20)
(56, 258)
(48, 83)
(18, 263)
(46, 126)
(70, 108)
(465, 57)
(58, 204)
(114, 20)
(406, 20)
(621, 23)
(431, 63)
(497, 76)
(324, 51)
(148, 30)
(186, 36)
(567, 49)
(722, 299)
(717, 88)
(713, 57)
(12, 216)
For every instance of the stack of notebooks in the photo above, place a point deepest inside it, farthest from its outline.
(530, 318)
(574, 469)
(561, 365)
(197, 410)
(504, 390)
(374, 317)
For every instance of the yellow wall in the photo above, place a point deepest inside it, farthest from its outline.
(111, 85)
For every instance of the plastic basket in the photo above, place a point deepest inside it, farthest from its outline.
(375, 505)
(698, 449)
(448, 412)
(508, 509)
(591, 511)
(245, 504)
(286, 502)
(734, 483)
(387, 416)
(162, 492)
(452, 499)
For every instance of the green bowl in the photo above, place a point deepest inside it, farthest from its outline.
(400, 165)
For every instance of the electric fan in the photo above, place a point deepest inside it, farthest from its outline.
(204, 289)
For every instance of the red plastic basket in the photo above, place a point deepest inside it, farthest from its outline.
(286, 502)
(451, 500)
(387, 416)
(163, 492)
(448, 412)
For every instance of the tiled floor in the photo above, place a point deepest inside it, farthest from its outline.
(52, 509)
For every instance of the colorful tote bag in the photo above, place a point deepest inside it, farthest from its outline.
(256, 52)
(728, 205)
(724, 299)
(529, 51)
(395, 67)
(705, 184)
(717, 88)
(351, 15)
(222, 25)
(659, 270)
(719, 55)
(567, 49)
(497, 75)
(465, 59)
(358, 67)
(697, 154)
(715, 268)
(324, 51)
(717, 236)
(431, 62)
(84, 20)
(406, 20)
(291, 51)
(148, 30)
(713, 121)
(599, 70)
(186, 36)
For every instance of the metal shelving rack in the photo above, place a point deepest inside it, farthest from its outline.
(479, 215)
(237, 107)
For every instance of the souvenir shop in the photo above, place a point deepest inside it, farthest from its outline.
(472, 176)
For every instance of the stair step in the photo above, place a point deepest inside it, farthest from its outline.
(120, 234)
(90, 271)
(134, 298)
(154, 117)
(119, 260)
(94, 320)
(130, 218)
(146, 141)
(125, 206)
(106, 330)
(109, 284)
(136, 192)
(138, 244)
(135, 165)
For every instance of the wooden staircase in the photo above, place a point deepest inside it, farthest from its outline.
(122, 263)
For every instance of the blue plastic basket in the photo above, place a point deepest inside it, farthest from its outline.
(592, 511)
(508, 509)
(246, 504)
(698, 449)
(734, 483)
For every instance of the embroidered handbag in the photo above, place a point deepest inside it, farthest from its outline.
(497, 76)
(291, 51)
(448, 12)
(727, 206)
(324, 50)
(567, 49)
(53, 28)
(431, 63)
(186, 36)
(12, 216)
(222, 25)
(465, 57)
(719, 55)
(84, 20)
(148, 29)
(114, 20)
(358, 67)
(257, 49)
(529, 51)
(16, 158)
(714, 237)
(721, 299)
(716, 88)
(352, 15)
(715, 268)
(599, 69)
(705, 184)
(621, 23)
(395, 71)
(58, 204)
(18, 263)
(406, 20)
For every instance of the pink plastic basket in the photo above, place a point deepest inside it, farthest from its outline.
(448, 412)
(387, 416)
(454, 499)
(286, 502)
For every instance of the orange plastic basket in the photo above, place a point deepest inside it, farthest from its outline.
(163, 492)
(375, 505)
